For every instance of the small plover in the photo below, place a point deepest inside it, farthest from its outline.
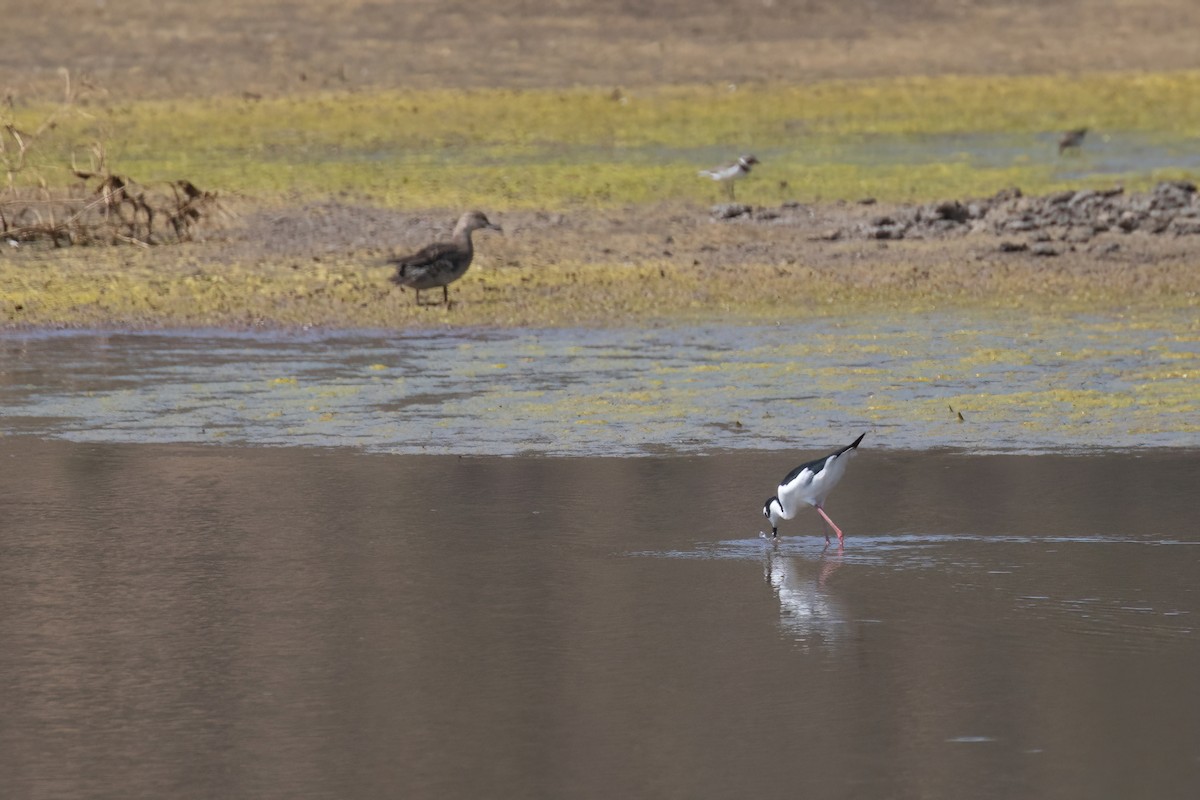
(809, 484)
(729, 173)
(1071, 140)
(441, 263)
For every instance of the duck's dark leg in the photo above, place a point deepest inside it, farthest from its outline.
(446, 296)
(418, 291)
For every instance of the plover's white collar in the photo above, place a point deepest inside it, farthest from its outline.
(729, 172)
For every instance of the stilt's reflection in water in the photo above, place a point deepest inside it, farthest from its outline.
(808, 610)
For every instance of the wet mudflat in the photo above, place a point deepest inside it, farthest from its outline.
(191, 621)
(1022, 383)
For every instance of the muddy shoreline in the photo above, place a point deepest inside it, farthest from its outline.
(317, 259)
(323, 264)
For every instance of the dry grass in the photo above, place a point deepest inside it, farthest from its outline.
(104, 208)
(98, 206)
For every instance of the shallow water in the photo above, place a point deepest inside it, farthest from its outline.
(1021, 384)
(1117, 153)
(202, 622)
(1120, 154)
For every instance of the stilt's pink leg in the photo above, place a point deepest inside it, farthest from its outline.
(836, 529)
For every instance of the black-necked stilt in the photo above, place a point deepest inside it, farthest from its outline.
(729, 173)
(1071, 140)
(809, 484)
(441, 263)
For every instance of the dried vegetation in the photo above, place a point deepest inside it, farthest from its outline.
(96, 206)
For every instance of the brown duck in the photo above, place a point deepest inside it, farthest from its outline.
(1071, 140)
(441, 263)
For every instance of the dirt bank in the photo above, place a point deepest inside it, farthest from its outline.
(319, 262)
(151, 48)
(323, 264)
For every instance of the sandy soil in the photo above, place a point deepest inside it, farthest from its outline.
(837, 236)
(175, 47)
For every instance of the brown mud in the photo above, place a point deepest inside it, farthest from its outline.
(323, 264)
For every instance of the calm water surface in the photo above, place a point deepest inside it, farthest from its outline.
(207, 622)
(447, 578)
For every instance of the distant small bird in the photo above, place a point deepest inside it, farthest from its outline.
(1071, 140)
(441, 263)
(729, 173)
(809, 484)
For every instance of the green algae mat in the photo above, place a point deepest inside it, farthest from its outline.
(910, 139)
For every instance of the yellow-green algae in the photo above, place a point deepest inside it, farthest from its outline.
(778, 385)
(501, 149)
(106, 287)
(1153, 402)
(504, 149)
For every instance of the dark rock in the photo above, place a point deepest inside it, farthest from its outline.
(886, 231)
(1173, 194)
(1013, 247)
(1004, 195)
(1129, 221)
(1187, 187)
(945, 226)
(1185, 226)
(952, 210)
(1157, 221)
(730, 210)
(1069, 216)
